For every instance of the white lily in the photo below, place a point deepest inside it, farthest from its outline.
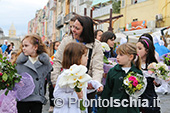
(84, 78)
(126, 81)
(63, 81)
(78, 70)
(105, 46)
(82, 85)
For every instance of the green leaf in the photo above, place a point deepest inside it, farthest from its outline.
(82, 108)
(6, 92)
(4, 77)
(77, 89)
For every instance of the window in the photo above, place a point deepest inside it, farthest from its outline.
(137, 1)
(123, 4)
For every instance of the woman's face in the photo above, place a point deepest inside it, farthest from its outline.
(77, 29)
(110, 42)
(99, 34)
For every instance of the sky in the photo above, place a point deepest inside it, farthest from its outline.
(18, 12)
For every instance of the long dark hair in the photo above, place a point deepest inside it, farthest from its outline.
(146, 36)
(87, 34)
(149, 47)
(105, 37)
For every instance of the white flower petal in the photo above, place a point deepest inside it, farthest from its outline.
(126, 81)
(82, 85)
(72, 85)
(84, 78)
(72, 79)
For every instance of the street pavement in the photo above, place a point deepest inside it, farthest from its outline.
(165, 103)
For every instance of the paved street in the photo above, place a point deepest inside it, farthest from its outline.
(165, 104)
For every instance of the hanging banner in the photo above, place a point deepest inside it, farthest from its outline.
(135, 25)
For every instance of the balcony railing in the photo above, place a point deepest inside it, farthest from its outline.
(60, 21)
(86, 1)
(102, 11)
(53, 4)
(68, 17)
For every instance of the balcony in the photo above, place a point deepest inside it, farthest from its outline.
(86, 1)
(68, 17)
(101, 11)
(60, 21)
(53, 4)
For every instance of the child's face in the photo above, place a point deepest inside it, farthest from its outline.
(13, 57)
(56, 45)
(141, 50)
(124, 60)
(84, 59)
(28, 48)
(99, 34)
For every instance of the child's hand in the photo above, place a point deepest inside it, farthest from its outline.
(100, 89)
(80, 94)
(104, 75)
(90, 86)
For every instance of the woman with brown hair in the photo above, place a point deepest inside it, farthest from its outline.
(82, 32)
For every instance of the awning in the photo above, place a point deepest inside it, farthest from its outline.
(96, 2)
(105, 1)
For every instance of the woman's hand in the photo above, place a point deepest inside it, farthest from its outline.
(80, 94)
(100, 89)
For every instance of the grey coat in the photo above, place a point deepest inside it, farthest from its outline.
(39, 71)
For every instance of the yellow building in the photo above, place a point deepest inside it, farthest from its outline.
(12, 31)
(156, 13)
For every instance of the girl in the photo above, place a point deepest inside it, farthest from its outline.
(33, 60)
(128, 61)
(149, 37)
(109, 38)
(74, 53)
(55, 46)
(97, 34)
(146, 51)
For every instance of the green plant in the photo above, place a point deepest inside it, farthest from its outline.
(8, 75)
(116, 6)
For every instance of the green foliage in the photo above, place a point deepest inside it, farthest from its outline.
(116, 7)
(8, 75)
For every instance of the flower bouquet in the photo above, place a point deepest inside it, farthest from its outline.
(134, 84)
(166, 60)
(160, 70)
(75, 77)
(8, 75)
(107, 63)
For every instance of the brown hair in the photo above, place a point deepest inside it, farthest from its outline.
(72, 54)
(130, 49)
(35, 40)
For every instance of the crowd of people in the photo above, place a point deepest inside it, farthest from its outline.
(46, 63)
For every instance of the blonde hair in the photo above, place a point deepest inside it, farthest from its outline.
(130, 49)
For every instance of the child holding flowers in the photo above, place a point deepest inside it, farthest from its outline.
(73, 63)
(128, 61)
(33, 60)
(146, 51)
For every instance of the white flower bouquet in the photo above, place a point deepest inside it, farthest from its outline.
(75, 77)
(160, 70)
(107, 63)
